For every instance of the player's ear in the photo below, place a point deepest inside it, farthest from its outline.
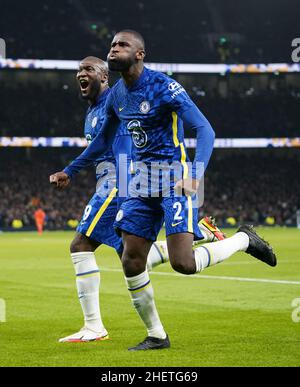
(104, 78)
(140, 55)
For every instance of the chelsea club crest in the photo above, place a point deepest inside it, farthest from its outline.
(144, 107)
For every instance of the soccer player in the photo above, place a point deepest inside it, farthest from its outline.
(39, 217)
(155, 109)
(96, 225)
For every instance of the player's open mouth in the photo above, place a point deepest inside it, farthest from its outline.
(84, 84)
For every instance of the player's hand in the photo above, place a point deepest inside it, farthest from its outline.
(187, 186)
(60, 179)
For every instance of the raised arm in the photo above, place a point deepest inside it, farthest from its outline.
(101, 143)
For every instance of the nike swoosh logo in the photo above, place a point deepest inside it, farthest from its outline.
(176, 224)
(120, 109)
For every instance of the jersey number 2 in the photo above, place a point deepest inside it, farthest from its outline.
(178, 207)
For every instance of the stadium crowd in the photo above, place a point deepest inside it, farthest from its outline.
(58, 110)
(253, 114)
(23, 191)
(247, 186)
(243, 185)
(254, 185)
(218, 31)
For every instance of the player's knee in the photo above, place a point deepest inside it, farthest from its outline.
(183, 266)
(133, 262)
(79, 244)
(75, 246)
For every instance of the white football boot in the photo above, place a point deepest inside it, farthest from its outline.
(84, 335)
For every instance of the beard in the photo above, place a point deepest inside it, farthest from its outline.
(120, 65)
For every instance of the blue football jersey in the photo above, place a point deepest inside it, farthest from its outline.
(93, 122)
(153, 110)
(107, 164)
(150, 110)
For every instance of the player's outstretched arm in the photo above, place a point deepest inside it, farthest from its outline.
(194, 119)
(101, 143)
(98, 146)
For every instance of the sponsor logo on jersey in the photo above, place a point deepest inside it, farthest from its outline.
(176, 224)
(144, 107)
(174, 86)
(94, 122)
(88, 138)
(139, 136)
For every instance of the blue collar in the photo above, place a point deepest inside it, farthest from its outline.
(100, 98)
(139, 82)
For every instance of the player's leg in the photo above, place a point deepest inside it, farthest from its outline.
(39, 226)
(95, 228)
(181, 252)
(122, 149)
(140, 224)
(82, 243)
(88, 286)
(159, 253)
(185, 260)
(181, 229)
(141, 292)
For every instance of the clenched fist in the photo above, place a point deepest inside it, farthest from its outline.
(60, 179)
(188, 186)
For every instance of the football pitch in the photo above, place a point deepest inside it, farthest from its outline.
(238, 313)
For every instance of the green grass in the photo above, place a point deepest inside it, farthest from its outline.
(211, 321)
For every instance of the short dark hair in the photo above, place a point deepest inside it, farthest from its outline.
(136, 34)
(98, 62)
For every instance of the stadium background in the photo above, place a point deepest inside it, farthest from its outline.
(239, 313)
(256, 185)
(253, 185)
